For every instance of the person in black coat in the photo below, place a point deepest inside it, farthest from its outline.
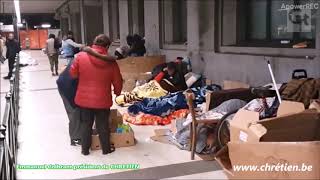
(13, 47)
(137, 45)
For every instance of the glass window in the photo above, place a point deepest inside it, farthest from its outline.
(136, 17)
(270, 23)
(114, 20)
(174, 21)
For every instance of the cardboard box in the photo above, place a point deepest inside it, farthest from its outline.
(130, 79)
(118, 139)
(234, 85)
(292, 138)
(137, 68)
(115, 118)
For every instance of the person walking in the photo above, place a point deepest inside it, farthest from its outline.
(70, 47)
(13, 48)
(52, 51)
(94, 96)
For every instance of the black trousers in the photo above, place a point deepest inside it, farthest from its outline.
(11, 66)
(100, 116)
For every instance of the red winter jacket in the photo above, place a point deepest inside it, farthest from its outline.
(95, 80)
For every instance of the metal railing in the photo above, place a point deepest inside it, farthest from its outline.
(9, 128)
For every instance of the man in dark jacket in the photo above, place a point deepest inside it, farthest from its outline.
(67, 87)
(13, 47)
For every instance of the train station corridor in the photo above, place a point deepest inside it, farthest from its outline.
(43, 137)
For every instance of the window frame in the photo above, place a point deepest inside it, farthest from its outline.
(303, 53)
(141, 22)
(163, 44)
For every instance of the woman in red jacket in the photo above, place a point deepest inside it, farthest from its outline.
(94, 96)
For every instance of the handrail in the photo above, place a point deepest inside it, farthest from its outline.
(9, 127)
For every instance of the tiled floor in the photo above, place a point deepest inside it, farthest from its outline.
(43, 136)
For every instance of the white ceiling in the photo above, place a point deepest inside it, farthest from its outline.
(31, 6)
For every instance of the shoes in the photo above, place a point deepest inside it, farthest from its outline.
(57, 74)
(85, 153)
(53, 74)
(75, 142)
(111, 150)
(7, 77)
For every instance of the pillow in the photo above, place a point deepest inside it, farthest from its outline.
(191, 78)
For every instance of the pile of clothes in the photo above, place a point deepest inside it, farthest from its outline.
(162, 98)
(206, 140)
(161, 111)
(151, 90)
(301, 90)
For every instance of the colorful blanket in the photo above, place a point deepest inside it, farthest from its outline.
(147, 119)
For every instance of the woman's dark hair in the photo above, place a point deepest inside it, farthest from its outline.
(102, 40)
(130, 40)
(52, 36)
(70, 33)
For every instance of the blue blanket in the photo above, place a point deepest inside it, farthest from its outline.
(165, 105)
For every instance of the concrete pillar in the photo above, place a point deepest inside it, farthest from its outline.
(93, 20)
(124, 19)
(135, 16)
(152, 29)
(193, 34)
(168, 20)
(193, 25)
(69, 22)
(106, 22)
(82, 22)
(113, 14)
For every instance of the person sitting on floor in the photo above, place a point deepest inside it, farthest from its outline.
(136, 44)
(173, 76)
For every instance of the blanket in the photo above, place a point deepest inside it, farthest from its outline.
(147, 119)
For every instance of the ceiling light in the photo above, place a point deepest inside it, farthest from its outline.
(17, 8)
(46, 25)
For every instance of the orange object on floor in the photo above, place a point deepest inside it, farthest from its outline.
(147, 119)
